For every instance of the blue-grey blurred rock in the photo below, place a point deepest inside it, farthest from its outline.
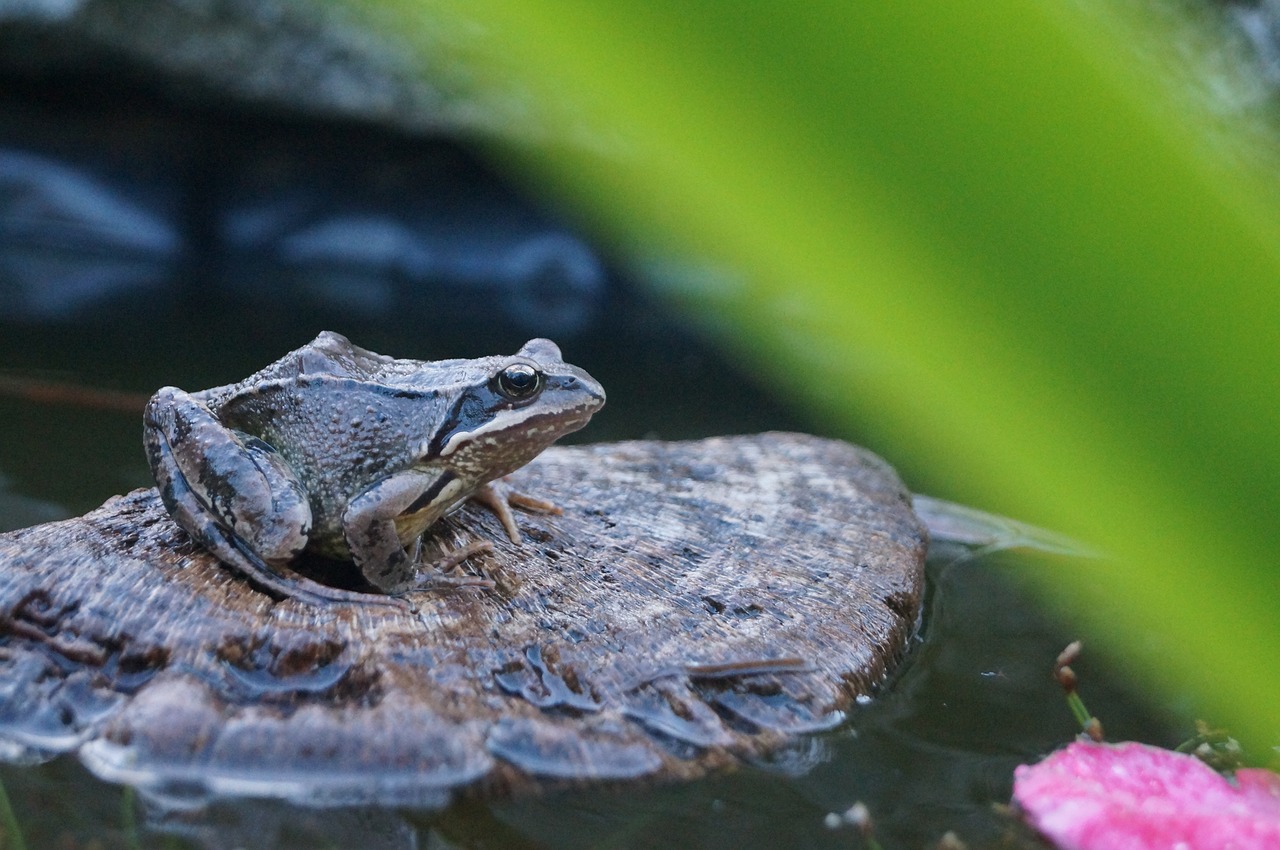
(190, 187)
(429, 233)
(1260, 23)
(74, 238)
(299, 55)
(360, 229)
(315, 223)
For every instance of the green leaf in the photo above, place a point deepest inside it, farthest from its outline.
(977, 233)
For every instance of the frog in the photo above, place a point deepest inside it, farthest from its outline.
(351, 455)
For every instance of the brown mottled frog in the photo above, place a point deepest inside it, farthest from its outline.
(353, 455)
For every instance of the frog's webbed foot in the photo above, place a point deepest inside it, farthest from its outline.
(441, 574)
(454, 558)
(499, 498)
(282, 583)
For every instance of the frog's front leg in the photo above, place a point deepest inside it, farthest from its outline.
(231, 492)
(396, 510)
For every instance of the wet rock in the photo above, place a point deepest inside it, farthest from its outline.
(696, 605)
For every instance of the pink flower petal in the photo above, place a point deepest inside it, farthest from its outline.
(1134, 797)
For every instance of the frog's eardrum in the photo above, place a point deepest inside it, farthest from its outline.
(696, 604)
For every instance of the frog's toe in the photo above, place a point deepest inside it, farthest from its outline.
(495, 497)
(500, 499)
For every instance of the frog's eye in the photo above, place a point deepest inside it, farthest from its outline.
(519, 382)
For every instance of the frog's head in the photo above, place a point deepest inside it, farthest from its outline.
(513, 409)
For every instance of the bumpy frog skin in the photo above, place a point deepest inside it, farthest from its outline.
(353, 455)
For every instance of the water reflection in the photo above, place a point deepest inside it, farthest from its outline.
(74, 238)
(419, 229)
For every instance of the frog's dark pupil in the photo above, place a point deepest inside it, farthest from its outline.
(519, 381)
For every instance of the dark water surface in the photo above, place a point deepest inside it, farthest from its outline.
(213, 246)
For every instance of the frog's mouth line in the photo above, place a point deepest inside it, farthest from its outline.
(561, 422)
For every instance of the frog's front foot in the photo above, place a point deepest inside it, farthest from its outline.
(499, 498)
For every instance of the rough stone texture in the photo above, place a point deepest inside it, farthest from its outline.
(696, 604)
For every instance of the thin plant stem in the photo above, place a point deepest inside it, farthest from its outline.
(12, 834)
(129, 819)
(1083, 717)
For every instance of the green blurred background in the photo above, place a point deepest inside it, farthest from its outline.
(1003, 239)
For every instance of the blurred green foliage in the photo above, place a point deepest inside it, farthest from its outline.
(977, 232)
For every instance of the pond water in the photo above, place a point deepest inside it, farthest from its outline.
(242, 249)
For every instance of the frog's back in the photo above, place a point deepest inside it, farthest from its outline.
(329, 354)
(341, 416)
(331, 360)
(334, 422)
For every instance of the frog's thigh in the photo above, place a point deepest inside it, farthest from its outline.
(238, 481)
(369, 526)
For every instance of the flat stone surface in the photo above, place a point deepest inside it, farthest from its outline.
(696, 604)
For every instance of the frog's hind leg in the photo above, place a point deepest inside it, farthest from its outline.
(233, 494)
(229, 550)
